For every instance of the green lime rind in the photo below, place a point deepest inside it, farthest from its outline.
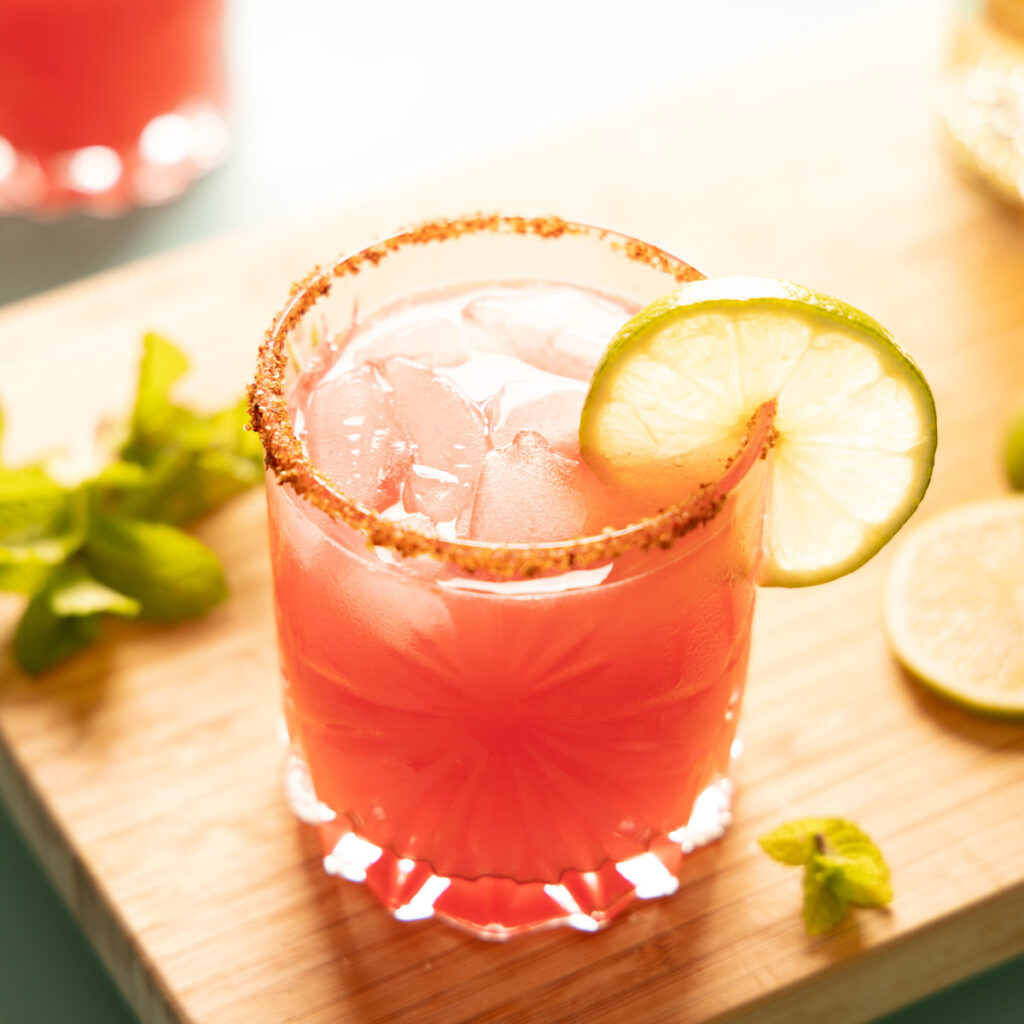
(1013, 449)
(972, 701)
(673, 339)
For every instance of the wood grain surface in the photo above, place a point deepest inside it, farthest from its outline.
(147, 774)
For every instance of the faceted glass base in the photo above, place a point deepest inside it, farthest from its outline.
(499, 908)
(173, 150)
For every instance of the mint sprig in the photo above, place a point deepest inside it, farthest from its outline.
(842, 867)
(176, 464)
(111, 544)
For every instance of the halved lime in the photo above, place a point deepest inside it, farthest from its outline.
(675, 390)
(954, 604)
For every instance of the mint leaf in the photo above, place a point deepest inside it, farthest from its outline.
(43, 638)
(178, 485)
(859, 872)
(171, 574)
(41, 525)
(161, 367)
(121, 476)
(31, 501)
(823, 908)
(25, 567)
(76, 593)
(792, 843)
(226, 430)
(154, 489)
(214, 477)
(842, 866)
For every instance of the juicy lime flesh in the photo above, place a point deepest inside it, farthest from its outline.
(954, 604)
(855, 420)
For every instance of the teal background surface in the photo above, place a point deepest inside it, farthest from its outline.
(408, 117)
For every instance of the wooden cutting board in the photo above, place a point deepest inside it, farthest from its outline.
(146, 772)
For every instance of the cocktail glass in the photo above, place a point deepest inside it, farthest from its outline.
(505, 736)
(108, 104)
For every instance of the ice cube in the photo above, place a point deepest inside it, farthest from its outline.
(421, 566)
(417, 521)
(447, 435)
(353, 437)
(550, 408)
(528, 493)
(434, 342)
(560, 330)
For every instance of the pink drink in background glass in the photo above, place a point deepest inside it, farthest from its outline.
(106, 104)
(515, 729)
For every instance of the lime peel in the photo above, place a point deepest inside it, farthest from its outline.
(1013, 449)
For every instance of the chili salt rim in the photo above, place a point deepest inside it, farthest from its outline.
(285, 455)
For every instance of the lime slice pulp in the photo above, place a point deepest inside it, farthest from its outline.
(676, 387)
(954, 604)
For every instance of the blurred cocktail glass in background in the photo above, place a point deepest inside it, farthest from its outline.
(108, 104)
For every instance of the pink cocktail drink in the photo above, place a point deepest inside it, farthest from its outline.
(512, 692)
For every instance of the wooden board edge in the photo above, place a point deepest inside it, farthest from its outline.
(918, 964)
(125, 961)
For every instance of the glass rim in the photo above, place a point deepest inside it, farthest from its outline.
(286, 458)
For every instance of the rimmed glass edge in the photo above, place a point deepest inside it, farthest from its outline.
(285, 455)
